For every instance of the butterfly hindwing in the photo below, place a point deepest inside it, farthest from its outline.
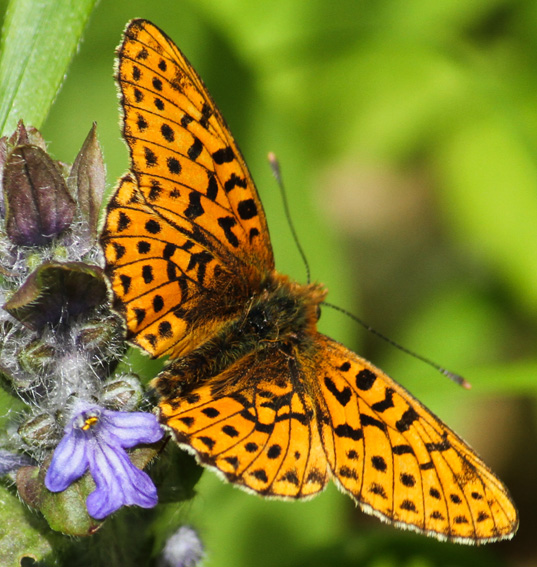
(253, 425)
(398, 460)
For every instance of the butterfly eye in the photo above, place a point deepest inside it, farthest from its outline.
(318, 312)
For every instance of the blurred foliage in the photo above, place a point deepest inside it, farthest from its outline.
(407, 135)
(37, 44)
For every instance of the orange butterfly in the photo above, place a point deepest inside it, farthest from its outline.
(252, 388)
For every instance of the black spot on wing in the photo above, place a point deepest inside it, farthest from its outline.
(342, 396)
(379, 464)
(365, 379)
(174, 167)
(234, 181)
(195, 208)
(407, 419)
(212, 187)
(120, 250)
(167, 132)
(226, 224)
(223, 155)
(349, 432)
(195, 149)
(150, 157)
(386, 403)
(247, 209)
(368, 420)
(147, 274)
(152, 226)
(123, 221)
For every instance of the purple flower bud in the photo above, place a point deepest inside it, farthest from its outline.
(38, 204)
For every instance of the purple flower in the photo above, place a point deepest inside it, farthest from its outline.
(96, 438)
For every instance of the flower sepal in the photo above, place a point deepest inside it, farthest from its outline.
(87, 180)
(65, 511)
(54, 289)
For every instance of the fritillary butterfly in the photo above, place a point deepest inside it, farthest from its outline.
(252, 388)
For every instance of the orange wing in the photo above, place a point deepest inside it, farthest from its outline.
(253, 424)
(188, 222)
(399, 461)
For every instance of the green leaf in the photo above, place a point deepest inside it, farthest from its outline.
(66, 511)
(21, 533)
(38, 41)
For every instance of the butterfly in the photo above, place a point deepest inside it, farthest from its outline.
(251, 387)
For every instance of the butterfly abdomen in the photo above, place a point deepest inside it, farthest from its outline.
(282, 316)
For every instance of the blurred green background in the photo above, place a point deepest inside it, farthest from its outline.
(407, 136)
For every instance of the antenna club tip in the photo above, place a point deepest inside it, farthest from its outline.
(458, 379)
(275, 165)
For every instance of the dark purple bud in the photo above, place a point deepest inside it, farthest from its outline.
(35, 138)
(38, 204)
(24, 136)
(87, 180)
(54, 291)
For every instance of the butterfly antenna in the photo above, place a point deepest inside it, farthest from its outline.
(275, 165)
(451, 375)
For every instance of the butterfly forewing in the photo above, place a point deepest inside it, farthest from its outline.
(187, 225)
(186, 162)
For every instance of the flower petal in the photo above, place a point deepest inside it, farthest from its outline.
(132, 428)
(119, 483)
(69, 462)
